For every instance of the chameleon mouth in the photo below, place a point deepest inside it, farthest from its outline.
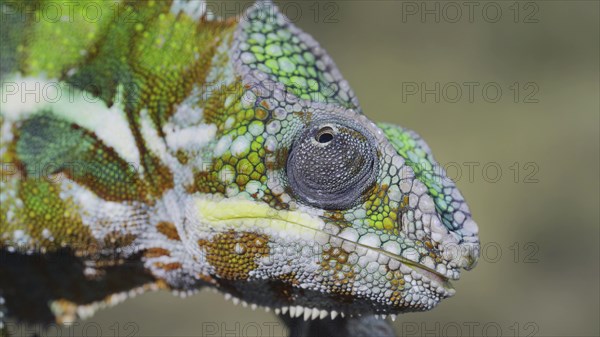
(423, 271)
(431, 274)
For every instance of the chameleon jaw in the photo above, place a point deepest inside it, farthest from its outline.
(210, 218)
(224, 212)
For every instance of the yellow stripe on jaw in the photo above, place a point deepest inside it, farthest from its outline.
(242, 214)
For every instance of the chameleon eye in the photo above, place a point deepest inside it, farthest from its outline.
(331, 164)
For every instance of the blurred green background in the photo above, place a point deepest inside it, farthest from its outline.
(539, 219)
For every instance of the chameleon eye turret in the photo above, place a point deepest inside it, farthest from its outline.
(331, 164)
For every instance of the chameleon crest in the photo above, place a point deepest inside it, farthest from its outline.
(173, 151)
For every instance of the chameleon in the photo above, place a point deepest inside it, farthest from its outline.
(159, 147)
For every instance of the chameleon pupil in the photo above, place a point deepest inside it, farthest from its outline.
(325, 135)
(325, 138)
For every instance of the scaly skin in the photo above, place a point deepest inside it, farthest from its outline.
(187, 153)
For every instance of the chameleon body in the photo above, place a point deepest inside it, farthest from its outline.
(171, 151)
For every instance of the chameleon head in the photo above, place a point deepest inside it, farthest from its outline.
(306, 203)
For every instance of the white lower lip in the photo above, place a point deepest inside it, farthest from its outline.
(442, 280)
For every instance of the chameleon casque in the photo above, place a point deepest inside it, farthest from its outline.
(167, 149)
